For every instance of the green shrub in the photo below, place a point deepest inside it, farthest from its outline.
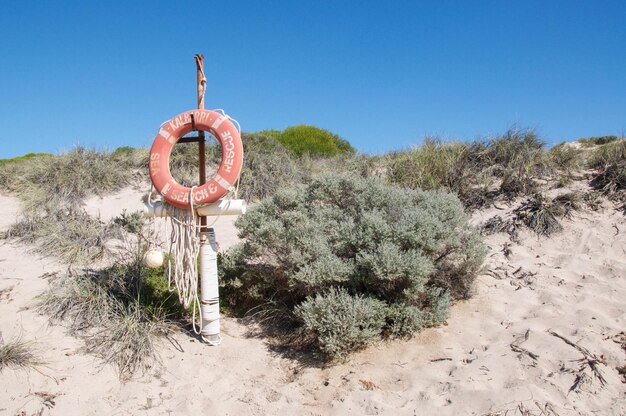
(22, 158)
(342, 322)
(305, 139)
(402, 247)
(404, 320)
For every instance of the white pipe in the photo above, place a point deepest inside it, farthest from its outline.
(221, 207)
(209, 289)
(154, 209)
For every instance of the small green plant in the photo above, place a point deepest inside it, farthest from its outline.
(352, 240)
(311, 140)
(131, 222)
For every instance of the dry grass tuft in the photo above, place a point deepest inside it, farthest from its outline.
(18, 353)
(63, 181)
(122, 312)
(72, 236)
(538, 213)
(129, 337)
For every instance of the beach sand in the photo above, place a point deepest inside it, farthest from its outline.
(494, 355)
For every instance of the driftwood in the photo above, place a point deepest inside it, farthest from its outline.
(589, 360)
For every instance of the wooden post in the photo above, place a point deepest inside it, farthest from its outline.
(201, 141)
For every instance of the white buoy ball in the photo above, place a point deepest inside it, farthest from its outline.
(153, 258)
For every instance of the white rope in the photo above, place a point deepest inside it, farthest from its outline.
(183, 257)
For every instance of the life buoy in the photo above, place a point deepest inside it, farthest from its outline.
(232, 157)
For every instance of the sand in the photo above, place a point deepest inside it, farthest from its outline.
(573, 284)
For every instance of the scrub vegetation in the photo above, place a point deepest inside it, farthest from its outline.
(121, 311)
(342, 249)
(344, 261)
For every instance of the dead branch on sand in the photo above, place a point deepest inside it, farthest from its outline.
(588, 359)
(515, 346)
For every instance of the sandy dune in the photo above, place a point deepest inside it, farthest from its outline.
(573, 284)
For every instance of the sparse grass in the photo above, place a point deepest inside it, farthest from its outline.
(609, 163)
(430, 166)
(121, 311)
(72, 236)
(542, 214)
(129, 338)
(518, 158)
(63, 181)
(19, 353)
(607, 154)
(597, 140)
(566, 159)
(267, 167)
(538, 213)
(507, 166)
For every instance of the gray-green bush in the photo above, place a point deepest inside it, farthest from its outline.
(353, 323)
(406, 251)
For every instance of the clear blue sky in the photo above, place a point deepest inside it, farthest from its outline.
(381, 74)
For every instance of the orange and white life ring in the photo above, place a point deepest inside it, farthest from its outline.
(232, 157)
